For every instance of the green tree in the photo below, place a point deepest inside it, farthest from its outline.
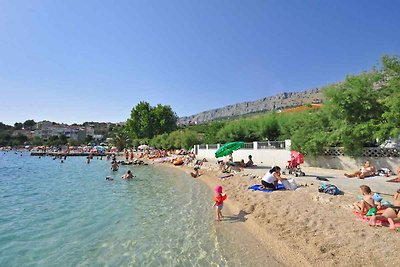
(391, 98)
(37, 141)
(146, 121)
(4, 127)
(211, 131)
(164, 119)
(88, 139)
(121, 138)
(269, 127)
(63, 139)
(140, 124)
(355, 111)
(29, 124)
(18, 126)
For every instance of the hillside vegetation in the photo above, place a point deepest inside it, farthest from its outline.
(357, 112)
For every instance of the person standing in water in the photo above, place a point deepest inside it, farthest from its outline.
(114, 166)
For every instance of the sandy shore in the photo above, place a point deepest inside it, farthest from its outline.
(305, 227)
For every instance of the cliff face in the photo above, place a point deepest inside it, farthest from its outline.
(276, 102)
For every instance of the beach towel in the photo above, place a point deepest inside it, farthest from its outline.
(378, 222)
(258, 187)
(225, 176)
(395, 180)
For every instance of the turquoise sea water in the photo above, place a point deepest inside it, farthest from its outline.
(67, 214)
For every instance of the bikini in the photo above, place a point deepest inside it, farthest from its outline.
(396, 209)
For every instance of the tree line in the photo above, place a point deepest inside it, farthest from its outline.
(363, 110)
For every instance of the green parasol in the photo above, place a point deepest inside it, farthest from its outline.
(228, 148)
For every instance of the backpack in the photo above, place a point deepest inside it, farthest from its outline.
(329, 189)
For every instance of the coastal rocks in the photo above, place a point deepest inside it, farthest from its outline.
(276, 102)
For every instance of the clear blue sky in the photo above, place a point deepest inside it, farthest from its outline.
(75, 61)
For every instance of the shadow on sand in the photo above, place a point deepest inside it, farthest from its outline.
(240, 217)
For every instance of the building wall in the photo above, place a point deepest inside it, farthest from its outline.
(270, 157)
(352, 164)
(261, 157)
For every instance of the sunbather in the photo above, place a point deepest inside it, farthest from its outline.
(366, 171)
(391, 214)
(367, 202)
(250, 162)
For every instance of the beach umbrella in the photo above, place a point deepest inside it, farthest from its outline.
(143, 147)
(99, 148)
(228, 149)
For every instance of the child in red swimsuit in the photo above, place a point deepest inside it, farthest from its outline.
(219, 201)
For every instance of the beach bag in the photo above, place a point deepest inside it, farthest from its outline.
(384, 172)
(330, 189)
(289, 184)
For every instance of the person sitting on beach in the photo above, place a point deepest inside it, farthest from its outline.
(196, 173)
(114, 166)
(250, 162)
(271, 178)
(367, 202)
(128, 175)
(391, 214)
(366, 171)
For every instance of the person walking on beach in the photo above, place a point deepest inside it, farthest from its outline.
(219, 202)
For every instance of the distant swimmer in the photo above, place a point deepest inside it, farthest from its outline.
(109, 178)
(114, 166)
(88, 159)
(128, 175)
(62, 161)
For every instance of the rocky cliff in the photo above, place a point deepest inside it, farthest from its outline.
(276, 102)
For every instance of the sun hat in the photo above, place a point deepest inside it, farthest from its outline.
(218, 189)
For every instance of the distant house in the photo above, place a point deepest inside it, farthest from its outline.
(46, 129)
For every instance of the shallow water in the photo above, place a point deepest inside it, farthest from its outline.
(67, 214)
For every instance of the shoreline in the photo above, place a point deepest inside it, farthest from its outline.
(304, 227)
(276, 248)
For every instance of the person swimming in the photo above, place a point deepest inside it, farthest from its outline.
(128, 175)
